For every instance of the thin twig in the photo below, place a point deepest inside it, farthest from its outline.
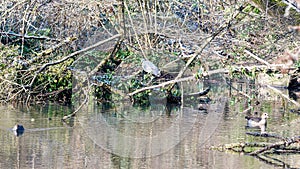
(204, 44)
(283, 95)
(257, 58)
(134, 29)
(28, 36)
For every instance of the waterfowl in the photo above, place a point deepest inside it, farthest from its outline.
(18, 129)
(149, 67)
(257, 121)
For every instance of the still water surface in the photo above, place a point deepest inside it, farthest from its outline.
(158, 136)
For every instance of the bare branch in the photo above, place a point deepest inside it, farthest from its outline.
(283, 95)
(257, 58)
(72, 55)
(28, 36)
(176, 81)
(285, 143)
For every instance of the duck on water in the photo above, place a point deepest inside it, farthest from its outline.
(260, 122)
(18, 129)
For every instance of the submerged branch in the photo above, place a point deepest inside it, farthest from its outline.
(240, 92)
(264, 135)
(239, 147)
(86, 97)
(273, 161)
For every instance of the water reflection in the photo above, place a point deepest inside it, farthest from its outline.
(124, 136)
(137, 133)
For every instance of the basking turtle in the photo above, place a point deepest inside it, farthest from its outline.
(149, 67)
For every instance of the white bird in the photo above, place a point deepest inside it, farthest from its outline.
(257, 121)
(149, 67)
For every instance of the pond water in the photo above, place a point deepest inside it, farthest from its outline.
(157, 136)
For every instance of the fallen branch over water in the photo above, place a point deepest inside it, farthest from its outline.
(189, 78)
(262, 150)
(282, 146)
(224, 70)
